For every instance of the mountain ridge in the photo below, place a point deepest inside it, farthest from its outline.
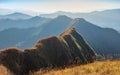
(106, 18)
(93, 34)
(15, 16)
(22, 23)
(53, 51)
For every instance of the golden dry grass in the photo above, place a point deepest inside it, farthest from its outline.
(97, 68)
(4, 71)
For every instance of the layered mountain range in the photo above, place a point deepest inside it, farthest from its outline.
(15, 16)
(36, 21)
(103, 40)
(107, 18)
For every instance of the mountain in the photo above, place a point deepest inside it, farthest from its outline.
(55, 26)
(106, 18)
(15, 16)
(54, 51)
(27, 37)
(22, 23)
(15, 37)
(77, 43)
(105, 41)
(56, 14)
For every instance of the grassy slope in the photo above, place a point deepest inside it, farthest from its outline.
(97, 68)
(4, 71)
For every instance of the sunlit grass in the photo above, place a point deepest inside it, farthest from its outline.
(97, 68)
(4, 71)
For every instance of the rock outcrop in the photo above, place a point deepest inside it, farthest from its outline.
(56, 51)
(80, 48)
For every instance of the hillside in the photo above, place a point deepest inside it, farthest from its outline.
(22, 23)
(96, 68)
(96, 36)
(53, 51)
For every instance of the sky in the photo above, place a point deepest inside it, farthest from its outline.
(49, 6)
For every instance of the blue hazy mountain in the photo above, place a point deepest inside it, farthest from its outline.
(22, 23)
(103, 40)
(55, 26)
(106, 18)
(56, 14)
(17, 37)
(15, 16)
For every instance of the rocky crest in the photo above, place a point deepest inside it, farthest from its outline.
(56, 51)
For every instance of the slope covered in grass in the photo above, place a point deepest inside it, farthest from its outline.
(96, 68)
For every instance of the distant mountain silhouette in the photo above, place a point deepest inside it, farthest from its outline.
(106, 18)
(15, 16)
(54, 51)
(103, 40)
(22, 23)
(56, 14)
(55, 26)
